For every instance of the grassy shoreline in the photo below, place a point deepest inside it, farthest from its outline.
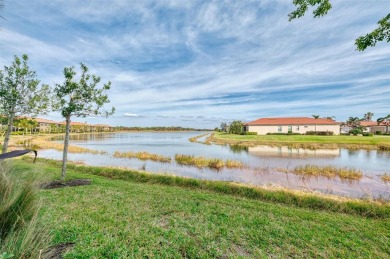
(130, 214)
(305, 141)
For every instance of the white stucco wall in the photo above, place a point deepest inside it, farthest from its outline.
(264, 129)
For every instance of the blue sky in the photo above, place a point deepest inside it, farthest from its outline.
(200, 63)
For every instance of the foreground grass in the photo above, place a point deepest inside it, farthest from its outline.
(305, 141)
(151, 216)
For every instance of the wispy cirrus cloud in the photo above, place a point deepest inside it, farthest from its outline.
(221, 60)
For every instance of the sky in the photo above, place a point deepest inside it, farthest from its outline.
(196, 63)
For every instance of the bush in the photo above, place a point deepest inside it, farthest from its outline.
(320, 133)
(366, 134)
(248, 133)
(278, 133)
(378, 132)
(355, 132)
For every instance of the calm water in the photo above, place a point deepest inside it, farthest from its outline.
(263, 161)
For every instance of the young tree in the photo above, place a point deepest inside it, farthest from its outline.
(20, 94)
(382, 33)
(79, 97)
(236, 127)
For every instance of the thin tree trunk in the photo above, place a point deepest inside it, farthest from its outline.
(8, 133)
(65, 152)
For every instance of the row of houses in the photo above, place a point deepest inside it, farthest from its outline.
(50, 126)
(303, 125)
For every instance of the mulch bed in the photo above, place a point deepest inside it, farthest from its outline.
(69, 183)
(57, 251)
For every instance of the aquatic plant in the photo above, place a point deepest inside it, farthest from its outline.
(143, 156)
(233, 164)
(385, 177)
(200, 161)
(344, 173)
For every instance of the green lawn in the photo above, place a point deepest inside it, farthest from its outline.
(305, 140)
(122, 219)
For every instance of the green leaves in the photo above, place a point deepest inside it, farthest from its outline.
(81, 96)
(302, 5)
(20, 92)
(382, 33)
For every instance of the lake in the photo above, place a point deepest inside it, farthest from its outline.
(264, 164)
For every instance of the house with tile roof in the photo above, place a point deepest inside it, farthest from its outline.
(300, 125)
(373, 126)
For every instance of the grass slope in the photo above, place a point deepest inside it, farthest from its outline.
(118, 219)
(305, 140)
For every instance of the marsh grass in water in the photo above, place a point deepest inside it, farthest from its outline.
(343, 173)
(143, 156)
(201, 162)
(385, 178)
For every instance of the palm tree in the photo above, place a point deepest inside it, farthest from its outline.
(386, 121)
(368, 116)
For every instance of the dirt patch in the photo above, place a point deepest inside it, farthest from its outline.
(59, 184)
(57, 251)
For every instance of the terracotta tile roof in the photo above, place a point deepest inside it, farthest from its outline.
(74, 123)
(368, 123)
(293, 121)
(371, 123)
(40, 120)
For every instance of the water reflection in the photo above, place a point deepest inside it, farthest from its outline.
(265, 165)
(284, 151)
(238, 149)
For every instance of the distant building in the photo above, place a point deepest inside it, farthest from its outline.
(300, 125)
(372, 126)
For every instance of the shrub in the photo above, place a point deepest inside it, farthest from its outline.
(355, 132)
(278, 133)
(248, 133)
(320, 133)
(378, 132)
(366, 134)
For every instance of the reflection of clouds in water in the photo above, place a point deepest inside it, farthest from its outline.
(281, 151)
(262, 162)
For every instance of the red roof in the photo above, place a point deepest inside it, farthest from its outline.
(371, 123)
(293, 121)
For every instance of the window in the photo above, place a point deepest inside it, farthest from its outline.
(289, 128)
(279, 128)
(297, 128)
(305, 127)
